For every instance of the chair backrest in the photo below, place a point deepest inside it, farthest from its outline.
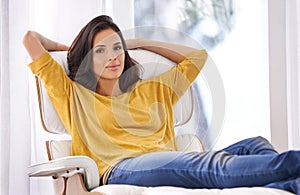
(189, 117)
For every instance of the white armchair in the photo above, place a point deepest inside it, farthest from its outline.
(79, 174)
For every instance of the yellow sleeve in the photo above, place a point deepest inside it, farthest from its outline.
(58, 85)
(180, 77)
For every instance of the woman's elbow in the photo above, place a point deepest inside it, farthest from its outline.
(29, 35)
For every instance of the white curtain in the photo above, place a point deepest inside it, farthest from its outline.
(21, 135)
(4, 87)
(14, 126)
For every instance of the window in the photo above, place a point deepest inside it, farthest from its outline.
(235, 33)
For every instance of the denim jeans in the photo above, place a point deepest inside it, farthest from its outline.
(250, 162)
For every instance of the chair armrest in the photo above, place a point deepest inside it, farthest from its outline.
(67, 167)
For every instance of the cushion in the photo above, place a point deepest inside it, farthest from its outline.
(58, 148)
(114, 189)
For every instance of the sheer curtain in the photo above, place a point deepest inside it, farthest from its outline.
(21, 134)
(14, 126)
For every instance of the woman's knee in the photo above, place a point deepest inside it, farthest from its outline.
(259, 139)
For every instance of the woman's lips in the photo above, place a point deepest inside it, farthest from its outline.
(112, 67)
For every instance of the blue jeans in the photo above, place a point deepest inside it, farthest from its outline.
(250, 162)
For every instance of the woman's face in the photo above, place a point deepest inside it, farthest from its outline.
(108, 55)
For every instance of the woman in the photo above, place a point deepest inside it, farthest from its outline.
(126, 124)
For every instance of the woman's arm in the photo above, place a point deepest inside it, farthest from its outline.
(36, 44)
(171, 51)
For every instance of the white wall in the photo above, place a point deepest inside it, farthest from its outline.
(122, 12)
(278, 80)
(293, 79)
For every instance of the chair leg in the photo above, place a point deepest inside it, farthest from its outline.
(59, 185)
(75, 186)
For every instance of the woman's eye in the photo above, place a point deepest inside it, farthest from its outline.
(99, 51)
(117, 48)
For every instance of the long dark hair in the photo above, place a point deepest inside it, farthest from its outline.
(80, 56)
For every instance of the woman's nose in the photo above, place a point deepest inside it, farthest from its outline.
(112, 56)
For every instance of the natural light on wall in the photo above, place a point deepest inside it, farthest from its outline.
(65, 19)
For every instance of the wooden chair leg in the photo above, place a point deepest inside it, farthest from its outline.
(59, 185)
(75, 186)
